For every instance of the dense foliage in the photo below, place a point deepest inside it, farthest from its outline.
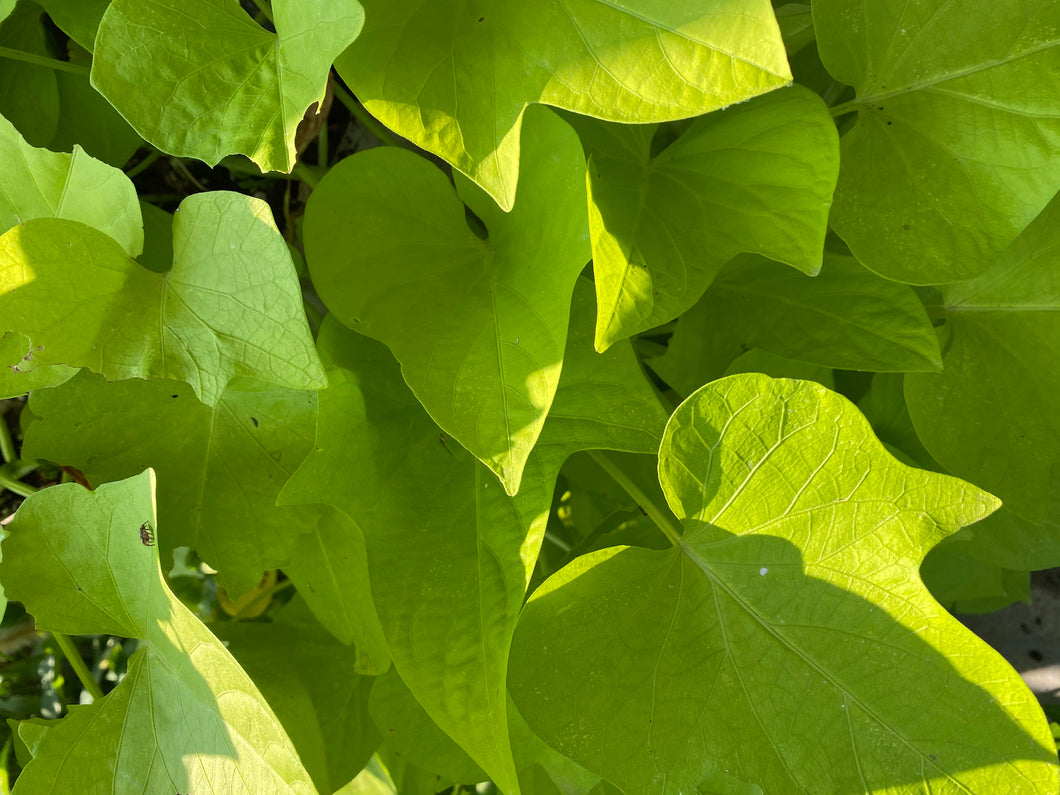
(564, 395)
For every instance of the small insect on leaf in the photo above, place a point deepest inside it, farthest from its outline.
(147, 534)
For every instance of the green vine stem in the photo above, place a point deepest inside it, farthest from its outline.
(363, 116)
(7, 444)
(144, 164)
(16, 486)
(42, 60)
(74, 658)
(306, 174)
(843, 108)
(655, 513)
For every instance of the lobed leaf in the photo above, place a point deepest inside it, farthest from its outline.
(313, 684)
(433, 516)
(220, 468)
(1002, 342)
(456, 78)
(199, 78)
(767, 646)
(845, 317)
(757, 177)
(37, 183)
(956, 147)
(186, 717)
(20, 371)
(230, 306)
(478, 325)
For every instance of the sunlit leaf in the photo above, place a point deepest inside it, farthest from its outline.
(185, 718)
(220, 468)
(768, 644)
(956, 147)
(478, 325)
(200, 78)
(757, 177)
(456, 78)
(1002, 345)
(37, 183)
(230, 306)
(382, 460)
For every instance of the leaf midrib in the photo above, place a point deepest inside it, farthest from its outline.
(763, 623)
(869, 99)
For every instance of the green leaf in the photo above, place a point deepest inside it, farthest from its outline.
(231, 305)
(796, 26)
(185, 718)
(757, 360)
(6, 7)
(329, 567)
(78, 19)
(456, 78)
(382, 460)
(411, 733)
(478, 325)
(1002, 344)
(29, 95)
(88, 120)
(757, 177)
(957, 142)
(845, 317)
(20, 372)
(373, 780)
(962, 583)
(40, 184)
(220, 468)
(199, 78)
(770, 644)
(311, 681)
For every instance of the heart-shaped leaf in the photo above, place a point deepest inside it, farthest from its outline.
(382, 460)
(957, 142)
(1002, 345)
(456, 77)
(221, 468)
(768, 644)
(199, 78)
(185, 718)
(231, 305)
(757, 177)
(478, 325)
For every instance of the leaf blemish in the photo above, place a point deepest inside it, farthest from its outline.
(762, 572)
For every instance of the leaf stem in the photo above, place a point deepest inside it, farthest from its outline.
(364, 117)
(144, 164)
(306, 174)
(72, 656)
(42, 60)
(16, 486)
(662, 521)
(7, 444)
(843, 108)
(322, 145)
